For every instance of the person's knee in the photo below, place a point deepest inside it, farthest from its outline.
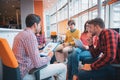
(63, 67)
(67, 49)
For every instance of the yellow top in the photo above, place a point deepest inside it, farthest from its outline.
(70, 35)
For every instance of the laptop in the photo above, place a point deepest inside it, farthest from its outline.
(48, 48)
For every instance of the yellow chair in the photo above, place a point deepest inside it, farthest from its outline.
(10, 66)
(53, 36)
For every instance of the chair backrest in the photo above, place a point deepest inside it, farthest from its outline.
(9, 63)
(53, 33)
(53, 36)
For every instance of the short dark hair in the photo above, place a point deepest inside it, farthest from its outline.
(31, 19)
(71, 22)
(97, 21)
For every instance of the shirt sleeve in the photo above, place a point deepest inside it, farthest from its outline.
(108, 46)
(33, 52)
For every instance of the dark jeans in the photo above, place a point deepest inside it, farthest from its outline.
(104, 73)
(73, 61)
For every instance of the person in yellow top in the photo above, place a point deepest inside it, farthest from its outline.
(69, 43)
(72, 33)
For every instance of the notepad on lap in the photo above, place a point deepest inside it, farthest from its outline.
(78, 43)
(48, 48)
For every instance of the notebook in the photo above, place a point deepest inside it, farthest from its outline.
(79, 43)
(48, 48)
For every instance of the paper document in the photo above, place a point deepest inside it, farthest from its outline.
(48, 48)
(78, 43)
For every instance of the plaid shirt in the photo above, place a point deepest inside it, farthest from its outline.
(25, 48)
(109, 45)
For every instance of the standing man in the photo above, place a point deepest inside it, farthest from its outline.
(109, 45)
(25, 48)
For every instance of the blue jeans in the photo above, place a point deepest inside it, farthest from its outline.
(104, 73)
(73, 61)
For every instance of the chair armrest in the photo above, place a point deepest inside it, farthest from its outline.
(34, 70)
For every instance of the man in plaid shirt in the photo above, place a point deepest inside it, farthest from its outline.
(109, 46)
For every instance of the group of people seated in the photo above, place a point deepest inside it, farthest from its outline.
(101, 48)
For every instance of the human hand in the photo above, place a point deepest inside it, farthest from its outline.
(59, 48)
(86, 47)
(65, 44)
(90, 41)
(86, 67)
(50, 54)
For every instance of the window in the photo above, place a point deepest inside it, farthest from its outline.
(84, 5)
(115, 15)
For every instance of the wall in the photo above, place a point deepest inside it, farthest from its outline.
(38, 9)
(9, 34)
(62, 27)
(27, 7)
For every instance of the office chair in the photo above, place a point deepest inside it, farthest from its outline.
(10, 65)
(53, 36)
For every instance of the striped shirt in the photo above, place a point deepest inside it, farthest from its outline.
(109, 45)
(25, 48)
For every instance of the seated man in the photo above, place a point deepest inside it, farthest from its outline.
(108, 44)
(80, 54)
(69, 41)
(25, 48)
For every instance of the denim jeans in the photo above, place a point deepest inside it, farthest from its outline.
(73, 61)
(104, 73)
